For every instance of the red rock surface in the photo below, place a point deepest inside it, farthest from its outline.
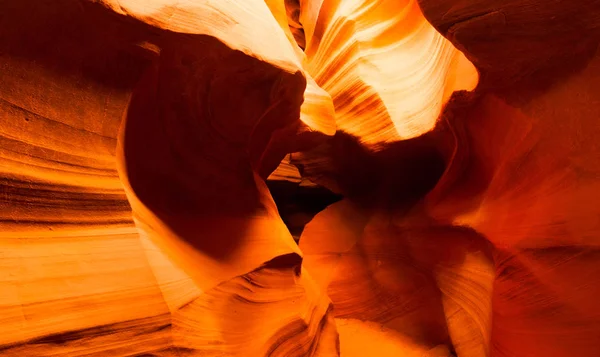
(139, 141)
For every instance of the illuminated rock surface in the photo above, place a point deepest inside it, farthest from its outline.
(99, 111)
(387, 69)
(160, 161)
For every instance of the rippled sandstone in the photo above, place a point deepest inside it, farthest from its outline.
(160, 161)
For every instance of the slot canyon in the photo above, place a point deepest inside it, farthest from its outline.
(299, 178)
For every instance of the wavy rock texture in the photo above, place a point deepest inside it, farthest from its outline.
(98, 111)
(72, 264)
(388, 70)
(317, 111)
(527, 174)
(520, 173)
(286, 171)
(137, 137)
(543, 224)
(408, 276)
(284, 315)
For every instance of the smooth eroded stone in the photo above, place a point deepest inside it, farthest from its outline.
(388, 71)
(116, 139)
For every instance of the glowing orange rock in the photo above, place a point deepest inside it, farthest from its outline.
(409, 276)
(526, 167)
(108, 246)
(136, 137)
(526, 178)
(522, 172)
(387, 69)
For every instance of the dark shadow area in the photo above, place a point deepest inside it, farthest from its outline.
(298, 204)
(198, 125)
(292, 9)
(522, 48)
(75, 38)
(75, 338)
(396, 175)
